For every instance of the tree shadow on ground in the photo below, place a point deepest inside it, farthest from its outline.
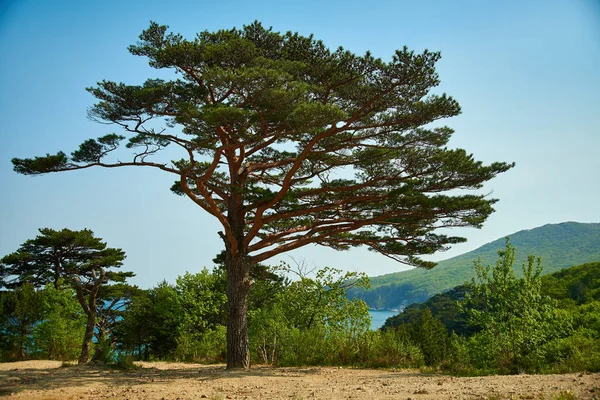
(20, 379)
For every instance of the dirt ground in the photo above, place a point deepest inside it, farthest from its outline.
(172, 381)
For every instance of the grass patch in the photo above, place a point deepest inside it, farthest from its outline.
(125, 363)
(67, 364)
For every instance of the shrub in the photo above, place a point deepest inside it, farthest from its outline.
(208, 347)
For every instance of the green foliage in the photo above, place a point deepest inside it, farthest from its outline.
(202, 299)
(67, 258)
(310, 321)
(73, 258)
(515, 318)
(125, 363)
(58, 336)
(310, 302)
(513, 324)
(184, 321)
(432, 337)
(574, 286)
(424, 330)
(104, 351)
(445, 308)
(559, 245)
(113, 300)
(206, 347)
(20, 311)
(163, 313)
(586, 318)
(46, 324)
(389, 348)
(134, 331)
(577, 352)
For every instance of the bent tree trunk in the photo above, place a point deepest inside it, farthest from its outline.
(86, 346)
(89, 306)
(238, 287)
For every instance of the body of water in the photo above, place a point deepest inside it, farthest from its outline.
(378, 318)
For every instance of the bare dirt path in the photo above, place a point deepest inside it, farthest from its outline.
(172, 381)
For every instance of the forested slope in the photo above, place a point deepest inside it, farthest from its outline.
(560, 245)
(569, 287)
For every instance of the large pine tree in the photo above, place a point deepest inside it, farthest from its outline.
(288, 143)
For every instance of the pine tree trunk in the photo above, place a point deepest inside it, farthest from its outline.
(238, 287)
(89, 306)
(100, 346)
(86, 346)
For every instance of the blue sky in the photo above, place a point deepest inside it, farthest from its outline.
(524, 72)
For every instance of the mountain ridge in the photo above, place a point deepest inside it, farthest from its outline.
(559, 245)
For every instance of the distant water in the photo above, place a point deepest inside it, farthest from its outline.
(378, 318)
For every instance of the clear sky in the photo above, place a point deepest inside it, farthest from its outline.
(526, 74)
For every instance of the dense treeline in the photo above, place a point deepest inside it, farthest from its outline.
(308, 321)
(560, 246)
(497, 323)
(501, 323)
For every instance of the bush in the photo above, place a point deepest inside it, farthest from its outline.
(208, 347)
(104, 351)
(310, 322)
(390, 348)
(578, 352)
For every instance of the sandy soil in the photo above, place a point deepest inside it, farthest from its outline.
(172, 381)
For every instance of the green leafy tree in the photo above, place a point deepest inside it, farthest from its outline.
(203, 302)
(288, 143)
(112, 302)
(134, 331)
(202, 297)
(20, 310)
(512, 313)
(163, 311)
(431, 336)
(59, 334)
(75, 258)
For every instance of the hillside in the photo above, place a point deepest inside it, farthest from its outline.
(569, 287)
(560, 245)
